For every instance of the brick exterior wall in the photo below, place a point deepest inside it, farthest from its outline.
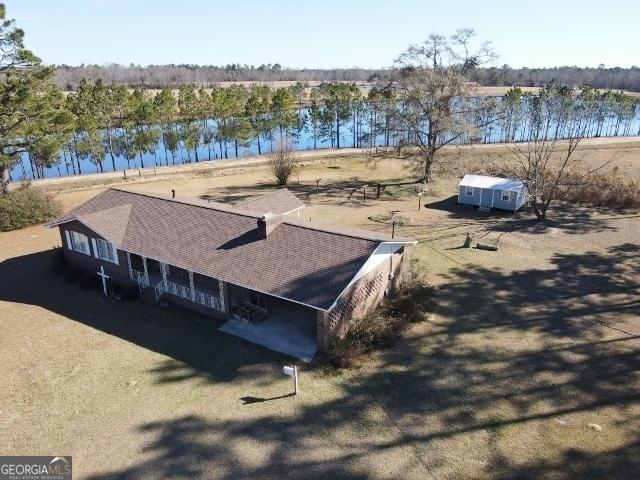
(90, 263)
(358, 299)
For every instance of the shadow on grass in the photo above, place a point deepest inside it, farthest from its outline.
(511, 353)
(338, 192)
(195, 347)
(573, 220)
(251, 400)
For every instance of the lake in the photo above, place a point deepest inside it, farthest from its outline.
(302, 140)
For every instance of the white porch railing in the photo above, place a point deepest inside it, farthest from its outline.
(182, 291)
(208, 300)
(159, 290)
(141, 278)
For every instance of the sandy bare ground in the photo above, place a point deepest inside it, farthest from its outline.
(526, 348)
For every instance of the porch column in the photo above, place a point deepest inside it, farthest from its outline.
(163, 269)
(144, 263)
(221, 292)
(193, 292)
(129, 264)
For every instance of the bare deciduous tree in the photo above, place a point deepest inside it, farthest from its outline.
(437, 105)
(544, 166)
(282, 160)
(547, 165)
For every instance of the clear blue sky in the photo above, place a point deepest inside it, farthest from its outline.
(324, 33)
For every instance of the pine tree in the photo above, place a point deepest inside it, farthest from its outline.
(32, 113)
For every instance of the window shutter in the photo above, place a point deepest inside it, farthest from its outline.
(115, 254)
(95, 248)
(68, 237)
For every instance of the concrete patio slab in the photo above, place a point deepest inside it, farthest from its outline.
(282, 333)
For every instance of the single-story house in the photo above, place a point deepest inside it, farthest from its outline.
(241, 263)
(492, 192)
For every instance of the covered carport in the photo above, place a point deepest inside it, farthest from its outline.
(289, 328)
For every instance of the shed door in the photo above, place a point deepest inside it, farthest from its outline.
(486, 197)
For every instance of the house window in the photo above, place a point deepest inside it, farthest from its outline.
(79, 242)
(106, 250)
(468, 191)
(507, 195)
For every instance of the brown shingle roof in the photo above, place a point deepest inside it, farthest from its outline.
(110, 223)
(279, 202)
(300, 261)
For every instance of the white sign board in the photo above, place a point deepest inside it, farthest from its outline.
(293, 373)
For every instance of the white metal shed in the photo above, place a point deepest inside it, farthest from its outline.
(492, 192)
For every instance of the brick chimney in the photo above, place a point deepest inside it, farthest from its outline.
(267, 223)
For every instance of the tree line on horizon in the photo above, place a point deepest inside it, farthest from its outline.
(424, 103)
(105, 123)
(109, 122)
(158, 76)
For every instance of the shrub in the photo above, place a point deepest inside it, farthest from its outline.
(412, 302)
(26, 206)
(58, 261)
(408, 304)
(88, 280)
(343, 354)
(282, 160)
(72, 273)
(604, 190)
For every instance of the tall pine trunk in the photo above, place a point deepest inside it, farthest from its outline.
(355, 131)
(113, 159)
(4, 178)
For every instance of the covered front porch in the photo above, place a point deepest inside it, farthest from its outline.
(275, 323)
(165, 280)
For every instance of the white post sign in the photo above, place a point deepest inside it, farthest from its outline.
(293, 373)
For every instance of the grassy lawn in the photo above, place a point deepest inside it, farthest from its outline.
(526, 348)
